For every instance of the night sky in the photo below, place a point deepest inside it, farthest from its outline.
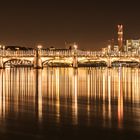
(52, 23)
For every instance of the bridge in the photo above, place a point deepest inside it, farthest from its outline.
(39, 58)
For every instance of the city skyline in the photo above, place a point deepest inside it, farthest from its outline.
(52, 23)
(69, 69)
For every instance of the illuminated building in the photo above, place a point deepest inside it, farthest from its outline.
(111, 43)
(116, 48)
(125, 48)
(104, 50)
(109, 49)
(133, 45)
(120, 37)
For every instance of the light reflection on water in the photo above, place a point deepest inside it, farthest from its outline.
(107, 98)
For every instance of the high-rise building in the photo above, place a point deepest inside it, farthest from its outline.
(133, 45)
(120, 37)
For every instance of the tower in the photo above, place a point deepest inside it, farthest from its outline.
(120, 37)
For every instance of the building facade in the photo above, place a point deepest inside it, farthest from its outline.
(133, 45)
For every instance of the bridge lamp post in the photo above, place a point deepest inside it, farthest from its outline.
(119, 53)
(57, 53)
(39, 47)
(75, 61)
(0, 49)
(3, 50)
(75, 47)
(17, 51)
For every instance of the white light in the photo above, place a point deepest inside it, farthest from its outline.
(39, 46)
(109, 46)
(75, 46)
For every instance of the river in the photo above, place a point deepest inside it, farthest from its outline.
(67, 103)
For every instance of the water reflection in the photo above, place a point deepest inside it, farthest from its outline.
(74, 97)
(120, 100)
(84, 96)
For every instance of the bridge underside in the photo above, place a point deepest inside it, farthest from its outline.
(17, 63)
(125, 63)
(68, 62)
(57, 63)
(92, 63)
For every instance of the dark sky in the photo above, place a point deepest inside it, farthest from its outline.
(52, 23)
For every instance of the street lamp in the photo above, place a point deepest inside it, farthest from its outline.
(3, 49)
(75, 46)
(39, 46)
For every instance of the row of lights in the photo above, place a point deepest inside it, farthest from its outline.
(75, 46)
(2, 47)
(39, 47)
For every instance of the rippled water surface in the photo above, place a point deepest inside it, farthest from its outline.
(67, 103)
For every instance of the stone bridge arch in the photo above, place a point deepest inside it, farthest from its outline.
(126, 59)
(63, 61)
(17, 62)
(45, 62)
(92, 61)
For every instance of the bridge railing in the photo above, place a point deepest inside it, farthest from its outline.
(65, 53)
(18, 53)
(124, 54)
(53, 53)
(69, 53)
(120, 54)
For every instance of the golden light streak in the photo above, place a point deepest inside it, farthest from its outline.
(40, 95)
(120, 102)
(57, 95)
(74, 98)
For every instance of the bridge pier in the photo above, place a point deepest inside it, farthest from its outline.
(75, 62)
(37, 60)
(109, 63)
(1, 63)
